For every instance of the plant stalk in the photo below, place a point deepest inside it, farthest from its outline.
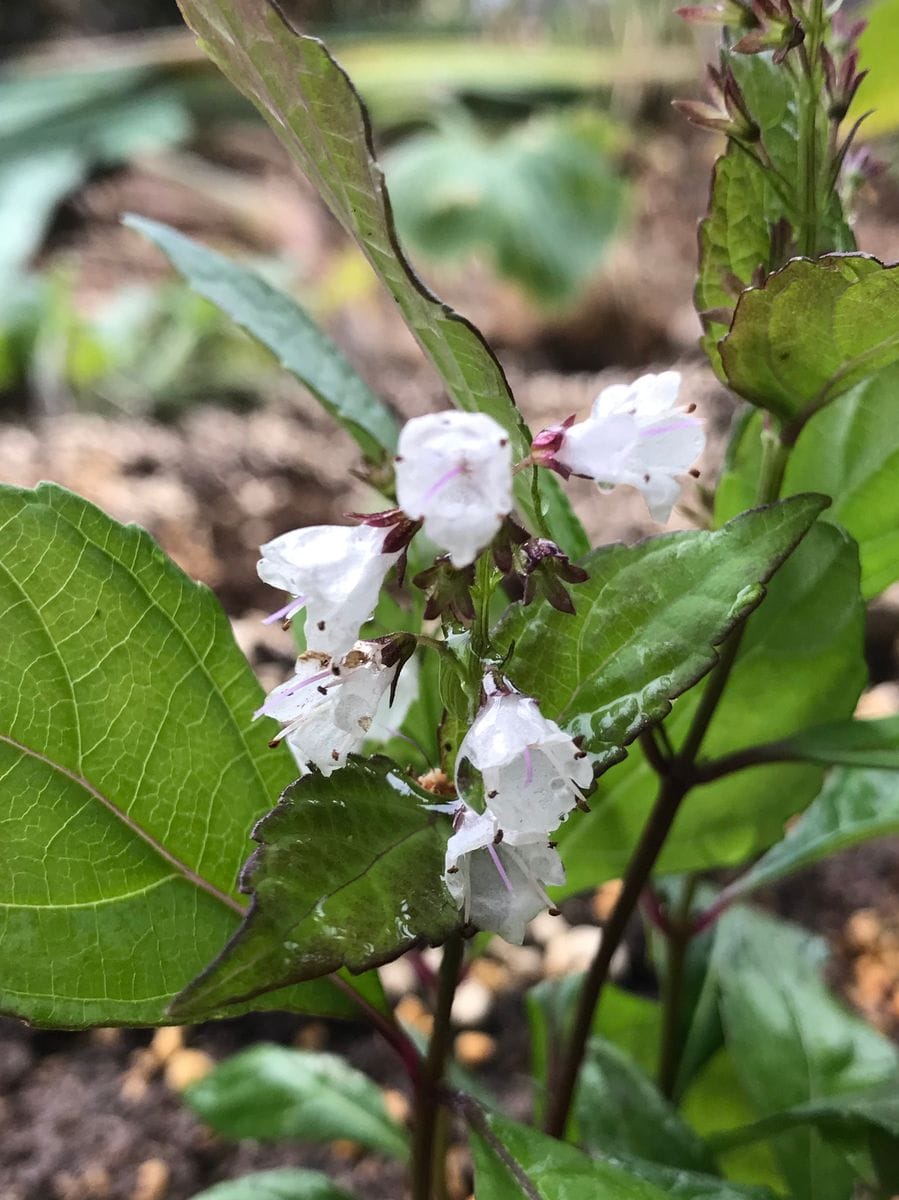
(426, 1145)
(677, 942)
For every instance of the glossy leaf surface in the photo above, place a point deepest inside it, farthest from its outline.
(813, 331)
(277, 321)
(648, 622)
(131, 770)
(348, 874)
(270, 1093)
(285, 1184)
(315, 111)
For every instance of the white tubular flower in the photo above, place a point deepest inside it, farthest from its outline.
(498, 887)
(328, 707)
(454, 472)
(636, 434)
(335, 572)
(533, 772)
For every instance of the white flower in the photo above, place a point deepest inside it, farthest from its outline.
(636, 434)
(335, 572)
(454, 471)
(498, 886)
(328, 707)
(533, 772)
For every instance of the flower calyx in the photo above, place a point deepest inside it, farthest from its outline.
(448, 589)
(728, 114)
(546, 571)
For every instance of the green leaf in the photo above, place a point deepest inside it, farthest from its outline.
(132, 772)
(850, 452)
(843, 1116)
(542, 199)
(286, 329)
(848, 744)
(315, 111)
(285, 1184)
(270, 1093)
(792, 1043)
(853, 807)
(648, 622)
(512, 1161)
(619, 1111)
(809, 637)
(813, 331)
(750, 207)
(679, 1184)
(349, 874)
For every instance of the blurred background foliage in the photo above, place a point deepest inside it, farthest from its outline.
(508, 130)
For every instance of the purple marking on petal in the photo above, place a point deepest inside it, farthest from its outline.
(528, 766)
(442, 482)
(293, 690)
(289, 610)
(668, 427)
(507, 882)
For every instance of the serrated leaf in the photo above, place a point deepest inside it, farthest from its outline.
(349, 874)
(512, 1161)
(277, 321)
(284, 1184)
(792, 1043)
(648, 622)
(812, 332)
(850, 452)
(315, 111)
(620, 1112)
(271, 1093)
(131, 772)
(809, 637)
(853, 807)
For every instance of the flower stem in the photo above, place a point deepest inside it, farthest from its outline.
(427, 1147)
(678, 936)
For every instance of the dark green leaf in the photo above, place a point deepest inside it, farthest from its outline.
(313, 108)
(286, 1184)
(620, 1112)
(812, 332)
(849, 744)
(132, 771)
(808, 637)
(850, 452)
(270, 1092)
(792, 1043)
(648, 622)
(678, 1184)
(349, 873)
(853, 807)
(543, 199)
(512, 1161)
(836, 1116)
(286, 329)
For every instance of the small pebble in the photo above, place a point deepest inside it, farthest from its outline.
(473, 1048)
(525, 962)
(882, 700)
(313, 1036)
(397, 1105)
(410, 1011)
(572, 951)
(471, 1003)
(398, 978)
(605, 899)
(152, 1180)
(495, 976)
(166, 1041)
(345, 1150)
(545, 927)
(186, 1067)
(863, 929)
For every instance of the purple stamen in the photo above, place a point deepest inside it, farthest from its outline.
(442, 482)
(668, 427)
(507, 882)
(297, 687)
(528, 766)
(287, 612)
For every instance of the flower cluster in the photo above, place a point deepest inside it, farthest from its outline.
(518, 775)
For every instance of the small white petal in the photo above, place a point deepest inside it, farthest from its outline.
(597, 447)
(454, 472)
(527, 868)
(339, 571)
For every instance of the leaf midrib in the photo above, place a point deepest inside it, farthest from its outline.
(188, 873)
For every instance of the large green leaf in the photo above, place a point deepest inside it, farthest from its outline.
(678, 1184)
(813, 331)
(314, 109)
(800, 662)
(648, 622)
(287, 330)
(872, 743)
(850, 452)
(792, 1043)
(543, 199)
(751, 208)
(512, 1161)
(271, 1092)
(349, 874)
(284, 1184)
(620, 1111)
(131, 771)
(853, 807)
